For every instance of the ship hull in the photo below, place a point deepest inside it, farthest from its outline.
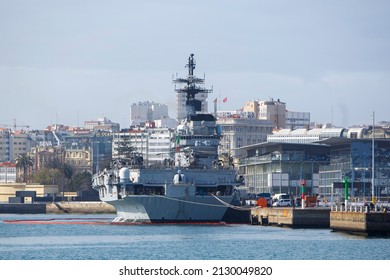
(162, 209)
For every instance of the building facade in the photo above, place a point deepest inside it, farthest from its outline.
(281, 167)
(78, 153)
(13, 144)
(240, 132)
(275, 111)
(305, 136)
(352, 158)
(154, 144)
(143, 112)
(5, 144)
(296, 120)
(7, 172)
(102, 124)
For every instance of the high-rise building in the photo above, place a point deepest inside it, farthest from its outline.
(154, 144)
(5, 146)
(275, 111)
(239, 132)
(143, 112)
(13, 143)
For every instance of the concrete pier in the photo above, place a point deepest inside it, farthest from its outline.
(80, 208)
(363, 222)
(292, 217)
(57, 208)
(22, 208)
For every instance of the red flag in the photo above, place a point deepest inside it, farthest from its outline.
(215, 100)
(224, 100)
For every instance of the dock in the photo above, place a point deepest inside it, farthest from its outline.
(86, 207)
(352, 220)
(292, 217)
(360, 221)
(22, 208)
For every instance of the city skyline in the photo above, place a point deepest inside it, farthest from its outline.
(70, 62)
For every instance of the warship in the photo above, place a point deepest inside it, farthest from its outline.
(195, 188)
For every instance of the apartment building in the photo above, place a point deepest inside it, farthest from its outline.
(239, 132)
(143, 112)
(154, 144)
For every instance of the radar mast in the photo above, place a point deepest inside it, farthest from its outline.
(191, 86)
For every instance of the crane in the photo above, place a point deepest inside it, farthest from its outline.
(15, 125)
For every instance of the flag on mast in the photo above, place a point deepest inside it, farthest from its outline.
(225, 100)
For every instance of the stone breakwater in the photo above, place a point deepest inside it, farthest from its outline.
(80, 208)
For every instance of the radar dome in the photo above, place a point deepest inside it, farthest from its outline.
(124, 174)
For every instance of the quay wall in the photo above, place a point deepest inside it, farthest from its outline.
(293, 217)
(370, 223)
(22, 208)
(80, 208)
(57, 208)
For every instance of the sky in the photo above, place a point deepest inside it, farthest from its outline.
(72, 61)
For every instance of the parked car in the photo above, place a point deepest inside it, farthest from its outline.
(282, 203)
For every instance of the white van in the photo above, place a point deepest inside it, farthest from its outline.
(282, 203)
(280, 196)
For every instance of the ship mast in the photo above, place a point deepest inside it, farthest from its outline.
(191, 87)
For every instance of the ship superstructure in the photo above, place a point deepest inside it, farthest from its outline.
(195, 189)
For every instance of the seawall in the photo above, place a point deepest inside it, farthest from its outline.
(80, 208)
(22, 208)
(292, 217)
(57, 208)
(371, 223)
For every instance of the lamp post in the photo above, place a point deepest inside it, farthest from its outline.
(303, 183)
(346, 189)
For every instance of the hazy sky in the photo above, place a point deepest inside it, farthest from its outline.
(70, 61)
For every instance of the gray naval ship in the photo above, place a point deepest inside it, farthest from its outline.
(195, 189)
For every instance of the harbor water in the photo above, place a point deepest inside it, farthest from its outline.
(92, 237)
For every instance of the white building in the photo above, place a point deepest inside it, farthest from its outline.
(305, 136)
(296, 120)
(166, 123)
(142, 112)
(240, 132)
(14, 143)
(154, 144)
(7, 172)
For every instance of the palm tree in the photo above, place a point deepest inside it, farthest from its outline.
(23, 161)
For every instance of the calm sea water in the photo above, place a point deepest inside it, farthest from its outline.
(71, 241)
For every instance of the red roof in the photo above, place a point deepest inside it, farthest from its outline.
(8, 164)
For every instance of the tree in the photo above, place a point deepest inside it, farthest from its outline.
(65, 171)
(47, 176)
(129, 154)
(125, 149)
(23, 161)
(82, 181)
